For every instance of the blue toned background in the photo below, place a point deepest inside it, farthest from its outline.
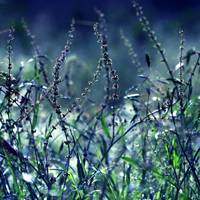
(59, 12)
(49, 21)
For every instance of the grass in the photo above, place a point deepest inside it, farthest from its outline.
(141, 143)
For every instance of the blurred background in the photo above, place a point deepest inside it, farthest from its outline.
(49, 21)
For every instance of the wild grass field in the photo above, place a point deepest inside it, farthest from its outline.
(69, 131)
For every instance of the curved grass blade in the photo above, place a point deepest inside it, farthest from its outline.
(104, 126)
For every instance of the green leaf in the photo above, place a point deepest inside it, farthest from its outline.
(128, 172)
(167, 149)
(153, 130)
(89, 195)
(104, 148)
(175, 157)
(131, 161)
(184, 196)
(154, 170)
(158, 194)
(121, 128)
(78, 194)
(81, 174)
(156, 173)
(105, 128)
(12, 171)
(82, 163)
(175, 81)
(114, 177)
(141, 191)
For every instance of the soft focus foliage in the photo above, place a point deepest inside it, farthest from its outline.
(128, 129)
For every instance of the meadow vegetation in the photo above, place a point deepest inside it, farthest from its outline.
(57, 142)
